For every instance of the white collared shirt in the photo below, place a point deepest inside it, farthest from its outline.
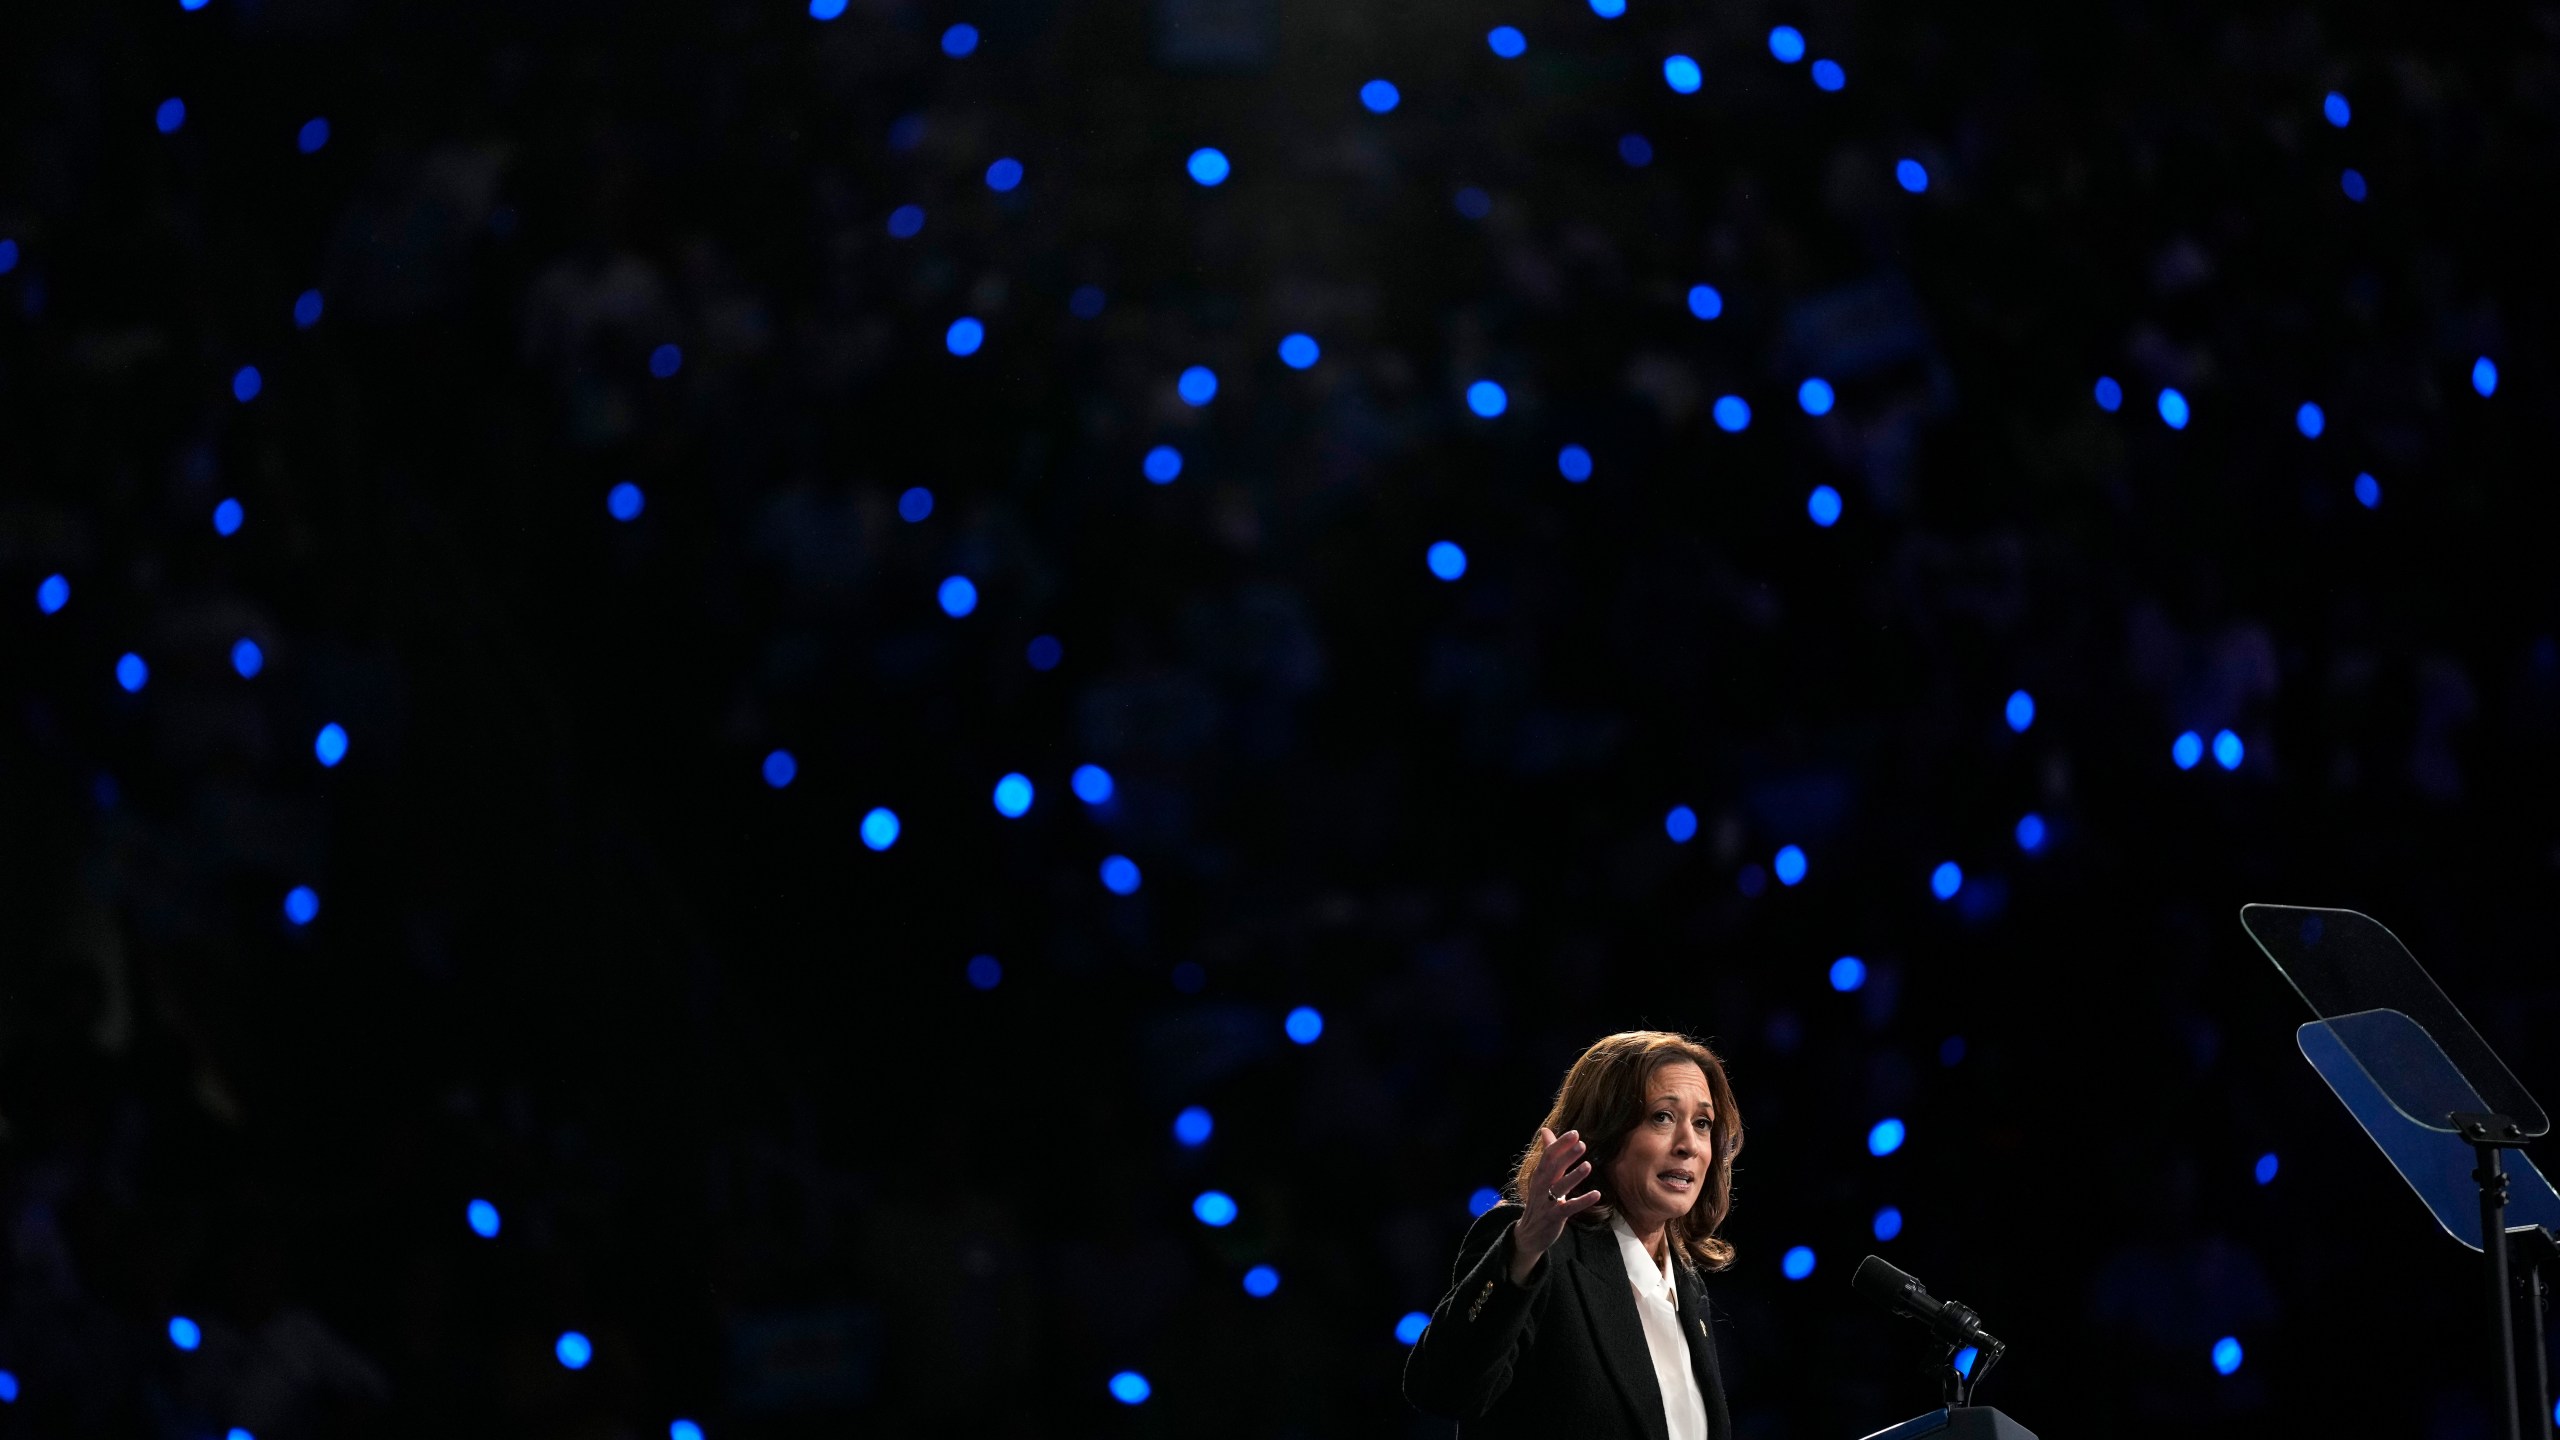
(1684, 1410)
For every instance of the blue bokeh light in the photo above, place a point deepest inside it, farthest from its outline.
(307, 308)
(1911, 175)
(1120, 875)
(1410, 1326)
(1044, 652)
(1472, 202)
(1130, 1388)
(1886, 1136)
(2186, 750)
(906, 222)
(132, 672)
(1197, 385)
(185, 1333)
(1706, 301)
(2020, 711)
(2227, 749)
(2173, 409)
(957, 595)
(666, 360)
(2484, 377)
(52, 593)
(573, 1349)
(2368, 491)
(171, 114)
(1304, 1025)
(1507, 42)
(1380, 96)
(1887, 1224)
(825, 9)
(1964, 1361)
(2351, 184)
(227, 515)
(246, 382)
(780, 768)
(2226, 1355)
(2031, 832)
(1608, 9)
(1487, 399)
(1733, 414)
(624, 502)
(2310, 420)
(1848, 973)
(1013, 796)
(1823, 506)
(2265, 1170)
(8, 255)
(1004, 175)
(1086, 301)
(1484, 1198)
(1946, 880)
(1827, 75)
(960, 41)
(966, 336)
(1299, 351)
(1215, 1209)
(1797, 1263)
(301, 905)
(313, 134)
(985, 972)
(1261, 1281)
(1951, 1051)
(2110, 395)
(1789, 866)
(880, 828)
(1447, 559)
(1209, 166)
(247, 658)
(330, 745)
(1091, 783)
(1681, 824)
(1194, 1126)
(915, 504)
(482, 1217)
(1682, 74)
(1162, 466)
(684, 1430)
(1815, 397)
(1636, 150)
(1574, 463)
(2334, 108)
(1786, 44)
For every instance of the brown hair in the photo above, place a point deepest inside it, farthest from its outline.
(1604, 1096)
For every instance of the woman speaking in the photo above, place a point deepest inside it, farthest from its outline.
(1581, 1311)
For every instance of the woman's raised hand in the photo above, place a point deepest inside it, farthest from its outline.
(1549, 1200)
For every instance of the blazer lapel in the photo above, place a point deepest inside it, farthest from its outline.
(1609, 1302)
(1695, 1323)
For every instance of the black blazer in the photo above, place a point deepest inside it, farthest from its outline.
(1563, 1355)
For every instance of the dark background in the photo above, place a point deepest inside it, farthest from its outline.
(747, 1122)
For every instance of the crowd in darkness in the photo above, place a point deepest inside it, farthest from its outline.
(589, 390)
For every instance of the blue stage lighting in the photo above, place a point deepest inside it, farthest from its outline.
(1827, 75)
(1887, 1224)
(2186, 750)
(52, 593)
(185, 1333)
(915, 504)
(1380, 96)
(1305, 1025)
(1886, 1136)
(1507, 42)
(1636, 150)
(1786, 43)
(171, 114)
(1120, 875)
(306, 309)
(1472, 202)
(246, 382)
(1005, 175)
(574, 1349)
(960, 41)
(2310, 420)
(1484, 1198)
(1823, 506)
(1194, 1126)
(1681, 824)
(906, 222)
(1209, 167)
(1044, 652)
(2368, 491)
(624, 502)
(1797, 1263)
(957, 596)
(2265, 1169)
(482, 1217)
(1013, 796)
(1848, 973)
(780, 769)
(1447, 559)
(880, 828)
(2031, 832)
(1197, 385)
(1162, 465)
(1706, 301)
(227, 515)
(1215, 1209)
(1733, 414)
(2351, 183)
(1682, 74)
(1964, 1361)
(825, 9)
(2334, 107)
(301, 905)
(8, 256)
(1487, 399)
(2226, 1355)
(247, 659)
(2110, 394)
(313, 135)
(2484, 377)
(985, 972)
(2173, 409)
(1409, 1329)
(1814, 397)
(1091, 783)
(666, 360)
(1130, 1388)
(1086, 301)
(1299, 351)
(1789, 866)
(1946, 880)
(684, 1430)
(132, 672)
(1608, 9)
(1574, 463)
(2227, 749)
(2020, 711)
(1951, 1051)
(1911, 175)
(965, 336)
(1260, 1281)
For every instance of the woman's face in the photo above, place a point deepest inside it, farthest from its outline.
(1663, 1166)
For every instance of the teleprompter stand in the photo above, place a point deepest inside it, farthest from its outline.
(2453, 1120)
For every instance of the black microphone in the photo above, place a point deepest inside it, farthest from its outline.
(1879, 1281)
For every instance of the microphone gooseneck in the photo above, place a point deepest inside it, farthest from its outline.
(1881, 1282)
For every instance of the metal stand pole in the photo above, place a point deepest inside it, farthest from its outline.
(2487, 1135)
(2532, 1251)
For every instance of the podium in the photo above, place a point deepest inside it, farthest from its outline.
(1963, 1422)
